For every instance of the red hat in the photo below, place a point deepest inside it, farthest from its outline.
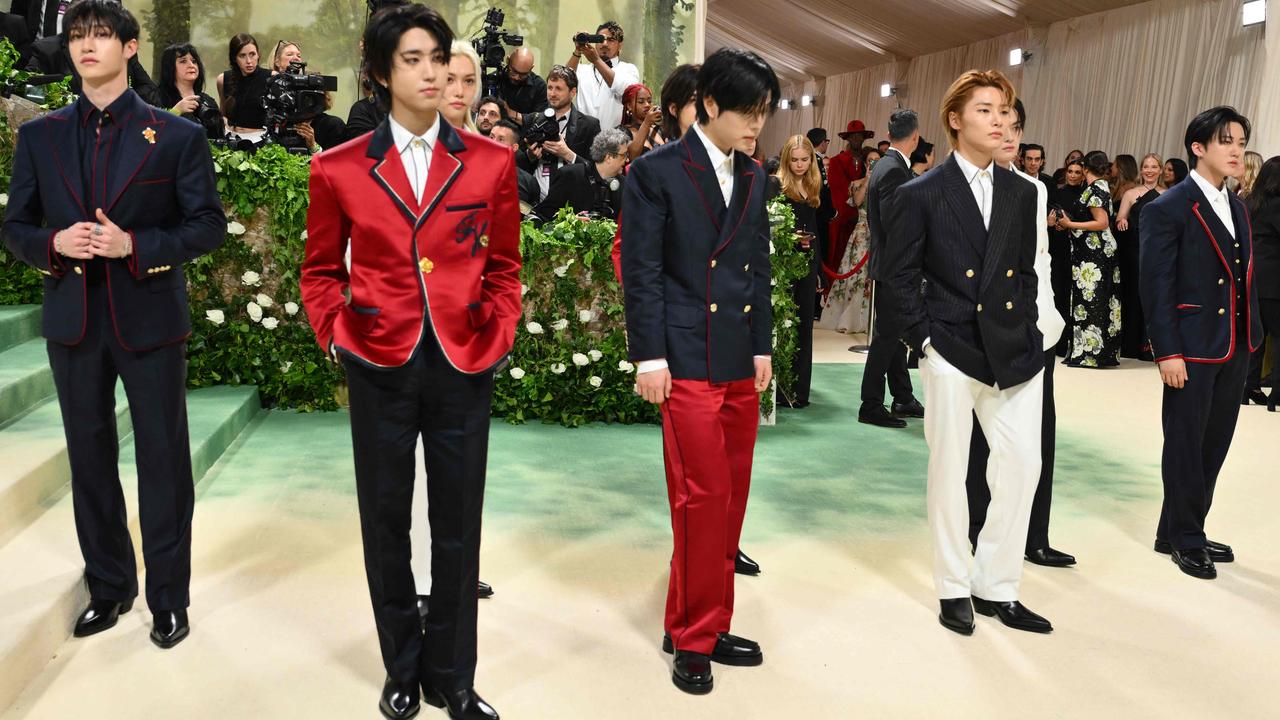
(857, 128)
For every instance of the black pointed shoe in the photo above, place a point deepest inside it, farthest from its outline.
(1048, 557)
(877, 415)
(1195, 563)
(744, 565)
(1013, 614)
(957, 615)
(1218, 552)
(100, 615)
(463, 704)
(1257, 396)
(399, 700)
(729, 650)
(909, 409)
(691, 672)
(484, 590)
(169, 628)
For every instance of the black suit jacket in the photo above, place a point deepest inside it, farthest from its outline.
(695, 273)
(577, 186)
(51, 56)
(527, 186)
(826, 208)
(364, 117)
(1266, 251)
(886, 177)
(979, 306)
(163, 193)
(580, 131)
(1187, 277)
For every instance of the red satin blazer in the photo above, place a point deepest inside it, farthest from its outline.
(449, 266)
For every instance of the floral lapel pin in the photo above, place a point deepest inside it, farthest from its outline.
(150, 135)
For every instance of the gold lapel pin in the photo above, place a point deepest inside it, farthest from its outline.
(150, 135)
(484, 241)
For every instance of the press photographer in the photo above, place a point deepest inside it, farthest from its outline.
(491, 47)
(522, 89)
(559, 135)
(182, 89)
(592, 189)
(50, 55)
(293, 100)
(606, 77)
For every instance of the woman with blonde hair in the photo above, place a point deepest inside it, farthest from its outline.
(285, 53)
(462, 86)
(1133, 326)
(799, 182)
(1252, 166)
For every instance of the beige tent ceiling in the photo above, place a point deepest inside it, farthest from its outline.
(810, 39)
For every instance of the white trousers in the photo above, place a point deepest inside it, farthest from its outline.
(420, 527)
(1010, 418)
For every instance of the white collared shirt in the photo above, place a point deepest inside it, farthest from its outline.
(905, 160)
(601, 100)
(1218, 200)
(721, 162)
(980, 180)
(1049, 320)
(415, 152)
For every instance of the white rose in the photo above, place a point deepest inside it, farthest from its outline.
(586, 316)
(255, 311)
(4, 199)
(264, 300)
(250, 278)
(560, 271)
(291, 308)
(235, 228)
(217, 317)
(304, 234)
(580, 360)
(557, 368)
(595, 355)
(625, 366)
(560, 324)
(524, 290)
(284, 366)
(534, 328)
(270, 323)
(517, 373)
(786, 323)
(770, 247)
(595, 381)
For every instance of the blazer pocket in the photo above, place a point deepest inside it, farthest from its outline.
(1188, 309)
(153, 181)
(171, 280)
(481, 205)
(364, 319)
(685, 316)
(480, 313)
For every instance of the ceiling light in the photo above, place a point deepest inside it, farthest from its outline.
(886, 90)
(1015, 56)
(806, 100)
(784, 104)
(1255, 12)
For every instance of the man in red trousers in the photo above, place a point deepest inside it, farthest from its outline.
(695, 269)
(421, 320)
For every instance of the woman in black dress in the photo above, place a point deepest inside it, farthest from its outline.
(1264, 210)
(800, 182)
(242, 86)
(1095, 291)
(1133, 326)
(1064, 202)
(182, 89)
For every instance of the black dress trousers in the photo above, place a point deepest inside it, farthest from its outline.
(390, 408)
(887, 358)
(805, 293)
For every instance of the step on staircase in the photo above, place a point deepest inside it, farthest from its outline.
(42, 589)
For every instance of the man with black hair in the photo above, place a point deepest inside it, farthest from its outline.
(1033, 164)
(507, 133)
(883, 147)
(887, 357)
(420, 320)
(488, 112)
(826, 208)
(695, 272)
(577, 131)
(1196, 281)
(922, 158)
(109, 198)
(605, 77)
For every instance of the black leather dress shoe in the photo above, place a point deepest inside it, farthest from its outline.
(878, 415)
(1195, 563)
(461, 704)
(744, 565)
(399, 700)
(485, 590)
(957, 615)
(691, 672)
(1049, 557)
(100, 615)
(1013, 614)
(1257, 396)
(910, 409)
(730, 650)
(169, 628)
(1218, 552)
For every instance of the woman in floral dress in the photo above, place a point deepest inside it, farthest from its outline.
(847, 308)
(1095, 273)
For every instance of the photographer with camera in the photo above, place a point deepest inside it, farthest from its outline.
(295, 102)
(507, 132)
(561, 134)
(602, 82)
(522, 89)
(286, 53)
(593, 189)
(182, 89)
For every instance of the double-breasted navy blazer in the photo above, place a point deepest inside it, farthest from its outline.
(161, 189)
(696, 273)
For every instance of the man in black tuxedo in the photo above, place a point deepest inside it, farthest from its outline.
(109, 198)
(1033, 164)
(1196, 282)
(826, 210)
(968, 229)
(887, 356)
(51, 55)
(594, 187)
(576, 131)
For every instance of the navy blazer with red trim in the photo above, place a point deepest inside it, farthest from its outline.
(696, 275)
(1187, 277)
(162, 191)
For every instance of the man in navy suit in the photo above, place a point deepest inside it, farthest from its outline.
(695, 270)
(1196, 283)
(109, 197)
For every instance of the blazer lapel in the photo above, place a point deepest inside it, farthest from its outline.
(698, 166)
(389, 174)
(960, 197)
(1001, 226)
(444, 170)
(66, 154)
(743, 183)
(141, 132)
(1217, 231)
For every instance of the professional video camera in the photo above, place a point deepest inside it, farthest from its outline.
(294, 97)
(491, 45)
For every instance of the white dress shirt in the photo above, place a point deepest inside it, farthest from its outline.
(1218, 200)
(599, 99)
(980, 181)
(1049, 320)
(415, 152)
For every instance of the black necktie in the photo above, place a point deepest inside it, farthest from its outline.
(51, 8)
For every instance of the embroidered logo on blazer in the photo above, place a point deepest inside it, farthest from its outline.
(468, 229)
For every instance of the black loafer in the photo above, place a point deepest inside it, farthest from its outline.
(909, 409)
(1049, 557)
(465, 704)
(1195, 563)
(729, 650)
(691, 672)
(100, 615)
(169, 628)
(744, 565)
(957, 615)
(877, 415)
(485, 590)
(1013, 614)
(399, 700)
(1218, 552)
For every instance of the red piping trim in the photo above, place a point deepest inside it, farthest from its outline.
(1231, 347)
(1168, 357)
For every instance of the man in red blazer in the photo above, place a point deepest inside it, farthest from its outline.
(845, 168)
(421, 320)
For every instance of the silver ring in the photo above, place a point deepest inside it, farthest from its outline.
(97, 229)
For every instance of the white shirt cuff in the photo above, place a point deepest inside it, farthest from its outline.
(645, 366)
(764, 357)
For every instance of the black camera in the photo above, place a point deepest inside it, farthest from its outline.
(587, 38)
(491, 45)
(210, 118)
(545, 128)
(294, 97)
